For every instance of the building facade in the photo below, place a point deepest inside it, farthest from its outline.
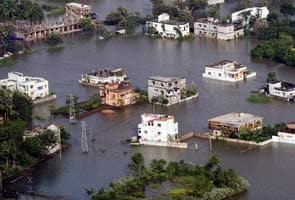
(165, 90)
(104, 76)
(230, 124)
(118, 94)
(246, 14)
(212, 28)
(214, 2)
(77, 10)
(167, 28)
(33, 87)
(282, 90)
(157, 128)
(287, 135)
(227, 70)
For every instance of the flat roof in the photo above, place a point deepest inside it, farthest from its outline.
(170, 22)
(164, 79)
(78, 5)
(225, 62)
(236, 118)
(157, 117)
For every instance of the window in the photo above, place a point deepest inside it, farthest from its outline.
(40, 88)
(153, 82)
(159, 133)
(219, 74)
(31, 86)
(176, 82)
(159, 125)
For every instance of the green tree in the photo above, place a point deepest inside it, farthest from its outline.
(86, 24)
(53, 40)
(214, 161)
(287, 8)
(137, 164)
(271, 76)
(201, 186)
(32, 146)
(22, 106)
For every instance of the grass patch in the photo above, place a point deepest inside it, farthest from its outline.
(255, 98)
(176, 193)
(5, 62)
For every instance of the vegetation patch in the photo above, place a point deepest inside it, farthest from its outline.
(5, 62)
(257, 98)
(186, 180)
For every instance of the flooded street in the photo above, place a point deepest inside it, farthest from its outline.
(269, 169)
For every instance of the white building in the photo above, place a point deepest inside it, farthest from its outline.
(287, 135)
(101, 77)
(214, 2)
(34, 87)
(161, 89)
(227, 70)
(282, 89)
(157, 128)
(167, 28)
(247, 13)
(210, 27)
(77, 10)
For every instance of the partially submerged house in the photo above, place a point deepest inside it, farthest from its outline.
(282, 90)
(164, 27)
(227, 70)
(230, 124)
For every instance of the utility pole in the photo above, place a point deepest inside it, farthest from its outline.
(72, 110)
(84, 143)
(210, 143)
(59, 140)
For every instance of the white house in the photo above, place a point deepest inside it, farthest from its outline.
(77, 10)
(34, 87)
(287, 135)
(282, 90)
(167, 89)
(247, 13)
(212, 28)
(157, 128)
(104, 76)
(167, 28)
(227, 70)
(214, 2)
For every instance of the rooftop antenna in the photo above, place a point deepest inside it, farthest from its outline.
(72, 110)
(84, 143)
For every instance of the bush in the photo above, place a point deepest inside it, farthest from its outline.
(54, 40)
(254, 98)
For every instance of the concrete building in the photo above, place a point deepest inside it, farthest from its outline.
(281, 90)
(230, 124)
(227, 70)
(287, 135)
(167, 28)
(118, 94)
(214, 2)
(104, 76)
(39, 130)
(212, 28)
(33, 87)
(165, 90)
(77, 10)
(157, 128)
(246, 14)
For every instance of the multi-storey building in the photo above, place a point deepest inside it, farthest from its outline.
(212, 28)
(167, 28)
(286, 135)
(230, 124)
(34, 87)
(77, 10)
(282, 90)
(165, 90)
(118, 94)
(227, 70)
(246, 14)
(157, 128)
(104, 76)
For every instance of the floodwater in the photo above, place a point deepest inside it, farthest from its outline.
(270, 169)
